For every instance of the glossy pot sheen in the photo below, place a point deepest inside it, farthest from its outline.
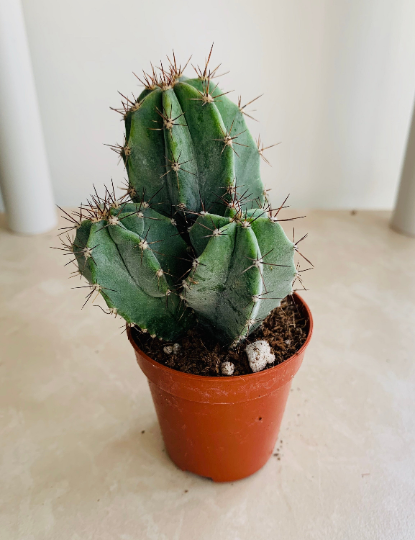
(224, 428)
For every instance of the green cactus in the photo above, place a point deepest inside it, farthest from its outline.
(187, 145)
(244, 268)
(132, 256)
(187, 243)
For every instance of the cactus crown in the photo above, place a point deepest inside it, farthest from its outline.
(193, 239)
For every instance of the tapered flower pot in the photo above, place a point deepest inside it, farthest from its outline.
(223, 428)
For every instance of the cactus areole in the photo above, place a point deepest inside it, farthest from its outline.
(193, 240)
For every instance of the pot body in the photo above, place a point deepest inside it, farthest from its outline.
(223, 428)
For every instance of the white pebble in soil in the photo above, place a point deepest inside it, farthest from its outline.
(169, 349)
(259, 355)
(227, 368)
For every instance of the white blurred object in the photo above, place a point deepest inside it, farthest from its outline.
(24, 173)
(259, 355)
(227, 368)
(403, 219)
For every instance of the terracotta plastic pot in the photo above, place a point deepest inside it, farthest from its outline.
(223, 428)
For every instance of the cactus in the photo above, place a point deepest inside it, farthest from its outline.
(130, 254)
(187, 145)
(187, 243)
(244, 268)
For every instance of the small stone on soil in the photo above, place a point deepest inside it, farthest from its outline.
(227, 368)
(259, 355)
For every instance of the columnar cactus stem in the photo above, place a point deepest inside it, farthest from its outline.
(119, 258)
(247, 269)
(177, 121)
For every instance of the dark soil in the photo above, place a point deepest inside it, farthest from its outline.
(285, 329)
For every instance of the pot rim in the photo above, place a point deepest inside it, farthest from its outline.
(235, 378)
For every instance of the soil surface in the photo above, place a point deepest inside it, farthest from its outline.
(285, 329)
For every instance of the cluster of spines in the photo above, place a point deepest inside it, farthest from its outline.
(160, 77)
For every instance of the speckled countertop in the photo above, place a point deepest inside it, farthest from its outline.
(81, 456)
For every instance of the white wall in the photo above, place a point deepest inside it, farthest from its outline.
(338, 77)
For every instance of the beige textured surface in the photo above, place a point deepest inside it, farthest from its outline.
(75, 464)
